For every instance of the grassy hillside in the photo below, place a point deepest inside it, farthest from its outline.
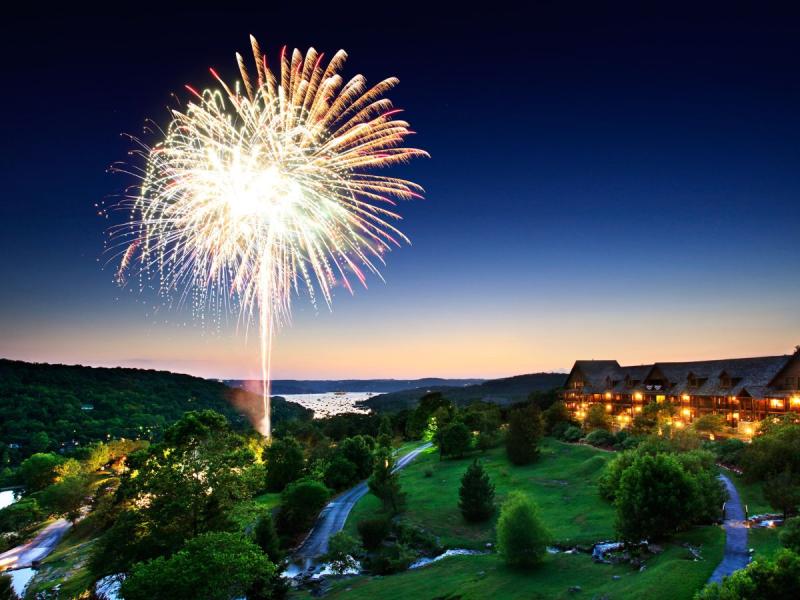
(500, 391)
(43, 407)
(562, 481)
(563, 484)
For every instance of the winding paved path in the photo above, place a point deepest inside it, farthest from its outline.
(332, 518)
(40, 546)
(736, 555)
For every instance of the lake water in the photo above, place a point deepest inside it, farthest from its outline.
(20, 580)
(331, 403)
(7, 498)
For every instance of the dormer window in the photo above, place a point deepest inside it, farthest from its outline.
(725, 381)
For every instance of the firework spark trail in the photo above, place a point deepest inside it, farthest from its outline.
(262, 189)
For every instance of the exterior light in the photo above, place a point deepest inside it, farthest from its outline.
(608, 395)
(711, 437)
(637, 396)
(608, 407)
(686, 412)
(638, 409)
(685, 397)
(678, 424)
(736, 416)
(795, 400)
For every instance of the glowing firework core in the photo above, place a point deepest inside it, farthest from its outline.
(265, 188)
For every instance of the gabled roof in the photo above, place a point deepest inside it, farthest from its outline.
(595, 373)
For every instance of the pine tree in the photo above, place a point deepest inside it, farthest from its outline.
(267, 538)
(476, 494)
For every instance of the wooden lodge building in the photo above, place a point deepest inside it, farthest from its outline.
(744, 390)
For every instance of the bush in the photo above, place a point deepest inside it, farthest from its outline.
(390, 559)
(476, 494)
(601, 438)
(572, 434)
(777, 579)
(652, 500)
(373, 532)
(455, 440)
(729, 452)
(342, 550)
(521, 537)
(790, 535)
(301, 502)
(524, 435)
(488, 440)
(20, 515)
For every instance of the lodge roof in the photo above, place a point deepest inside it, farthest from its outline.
(723, 377)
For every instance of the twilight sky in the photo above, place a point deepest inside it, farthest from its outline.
(603, 184)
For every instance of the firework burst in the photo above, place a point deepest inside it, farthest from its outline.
(265, 188)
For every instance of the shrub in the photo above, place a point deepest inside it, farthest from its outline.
(600, 438)
(521, 536)
(476, 494)
(373, 532)
(390, 559)
(790, 534)
(729, 451)
(653, 496)
(301, 501)
(488, 440)
(524, 434)
(455, 440)
(572, 434)
(342, 548)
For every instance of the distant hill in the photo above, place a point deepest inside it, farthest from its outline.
(323, 386)
(499, 391)
(45, 407)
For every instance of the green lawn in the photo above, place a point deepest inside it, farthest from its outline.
(671, 575)
(562, 482)
(65, 566)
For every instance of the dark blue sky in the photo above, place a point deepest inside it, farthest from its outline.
(604, 182)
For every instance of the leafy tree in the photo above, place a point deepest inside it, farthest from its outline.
(301, 502)
(267, 538)
(597, 417)
(385, 483)
(212, 566)
(521, 536)
(557, 413)
(342, 548)
(476, 494)
(776, 450)
(652, 498)
(524, 434)
(340, 473)
(782, 491)
(790, 534)
(20, 515)
(67, 496)
(711, 423)
(454, 440)
(777, 578)
(39, 470)
(40, 442)
(284, 461)
(358, 450)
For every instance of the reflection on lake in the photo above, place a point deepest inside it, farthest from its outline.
(330, 403)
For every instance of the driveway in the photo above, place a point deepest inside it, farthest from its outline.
(43, 544)
(332, 518)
